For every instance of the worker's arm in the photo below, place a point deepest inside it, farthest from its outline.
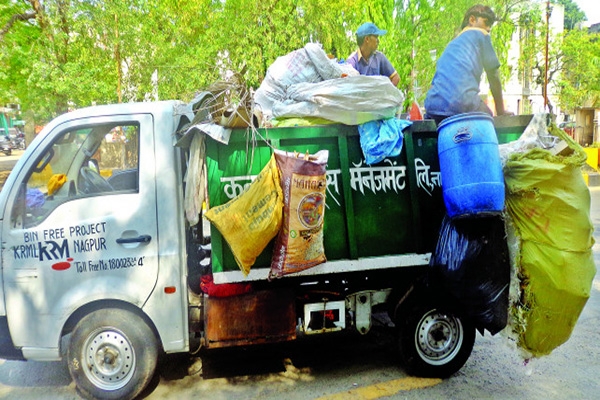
(496, 87)
(387, 69)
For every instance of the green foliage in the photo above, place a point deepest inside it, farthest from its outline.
(573, 58)
(580, 81)
(15, 55)
(72, 54)
(532, 40)
(573, 14)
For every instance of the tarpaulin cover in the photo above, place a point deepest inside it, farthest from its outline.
(549, 205)
(382, 138)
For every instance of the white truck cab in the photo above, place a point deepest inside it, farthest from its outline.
(76, 244)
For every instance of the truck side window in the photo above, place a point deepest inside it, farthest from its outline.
(94, 160)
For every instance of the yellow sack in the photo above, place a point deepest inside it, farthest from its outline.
(55, 183)
(249, 221)
(549, 205)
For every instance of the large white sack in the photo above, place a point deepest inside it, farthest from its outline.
(352, 101)
(308, 64)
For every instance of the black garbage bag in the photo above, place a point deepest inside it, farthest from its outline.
(470, 270)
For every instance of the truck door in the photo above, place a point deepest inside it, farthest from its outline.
(80, 225)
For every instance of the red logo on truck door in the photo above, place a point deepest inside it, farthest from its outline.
(63, 265)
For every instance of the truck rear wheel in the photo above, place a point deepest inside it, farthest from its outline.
(112, 354)
(433, 343)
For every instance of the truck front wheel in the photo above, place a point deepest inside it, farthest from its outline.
(112, 354)
(433, 343)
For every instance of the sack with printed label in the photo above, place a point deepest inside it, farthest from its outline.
(249, 221)
(299, 244)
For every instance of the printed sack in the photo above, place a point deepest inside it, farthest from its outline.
(299, 244)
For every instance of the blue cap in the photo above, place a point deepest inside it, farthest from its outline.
(369, 28)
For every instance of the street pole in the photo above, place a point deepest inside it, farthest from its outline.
(546, 55)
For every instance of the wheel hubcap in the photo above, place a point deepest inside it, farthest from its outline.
(109, 358)
(438, 337)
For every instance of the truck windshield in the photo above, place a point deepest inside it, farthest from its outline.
(91, 161)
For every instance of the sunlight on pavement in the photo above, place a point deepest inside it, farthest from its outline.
(384, 389)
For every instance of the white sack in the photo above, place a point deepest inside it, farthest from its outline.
(309, 64)
(352, 101)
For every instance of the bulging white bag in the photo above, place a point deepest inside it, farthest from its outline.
(353, 100)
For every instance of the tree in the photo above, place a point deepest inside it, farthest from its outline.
(74, 54)
(580, 82)
(19, 34)
(61, 54)
(413, 48)
(538, 68)
(573, 59)
(573, 14)
(48, 58)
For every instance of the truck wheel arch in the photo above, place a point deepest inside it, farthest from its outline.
(432, 342)
(86, 309)
(112, 353)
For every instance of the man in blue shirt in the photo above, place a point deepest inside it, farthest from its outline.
(455, 86)
(366, 59)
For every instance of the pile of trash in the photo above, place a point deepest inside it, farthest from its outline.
(550, 236)
(531, 269)
(304, 87)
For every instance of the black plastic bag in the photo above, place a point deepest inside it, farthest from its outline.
(470, 270)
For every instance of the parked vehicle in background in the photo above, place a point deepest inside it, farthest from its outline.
(5, 145)
(569, 127)
(17, 139)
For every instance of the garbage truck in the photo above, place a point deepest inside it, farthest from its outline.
(100, 264)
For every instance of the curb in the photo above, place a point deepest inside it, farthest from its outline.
(591, 179)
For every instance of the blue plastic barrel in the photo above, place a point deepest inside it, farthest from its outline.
(472, 178)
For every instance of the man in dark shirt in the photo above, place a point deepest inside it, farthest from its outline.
(366, 59)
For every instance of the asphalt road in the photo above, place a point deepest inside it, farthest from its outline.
(353, 367)
(8, 162)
